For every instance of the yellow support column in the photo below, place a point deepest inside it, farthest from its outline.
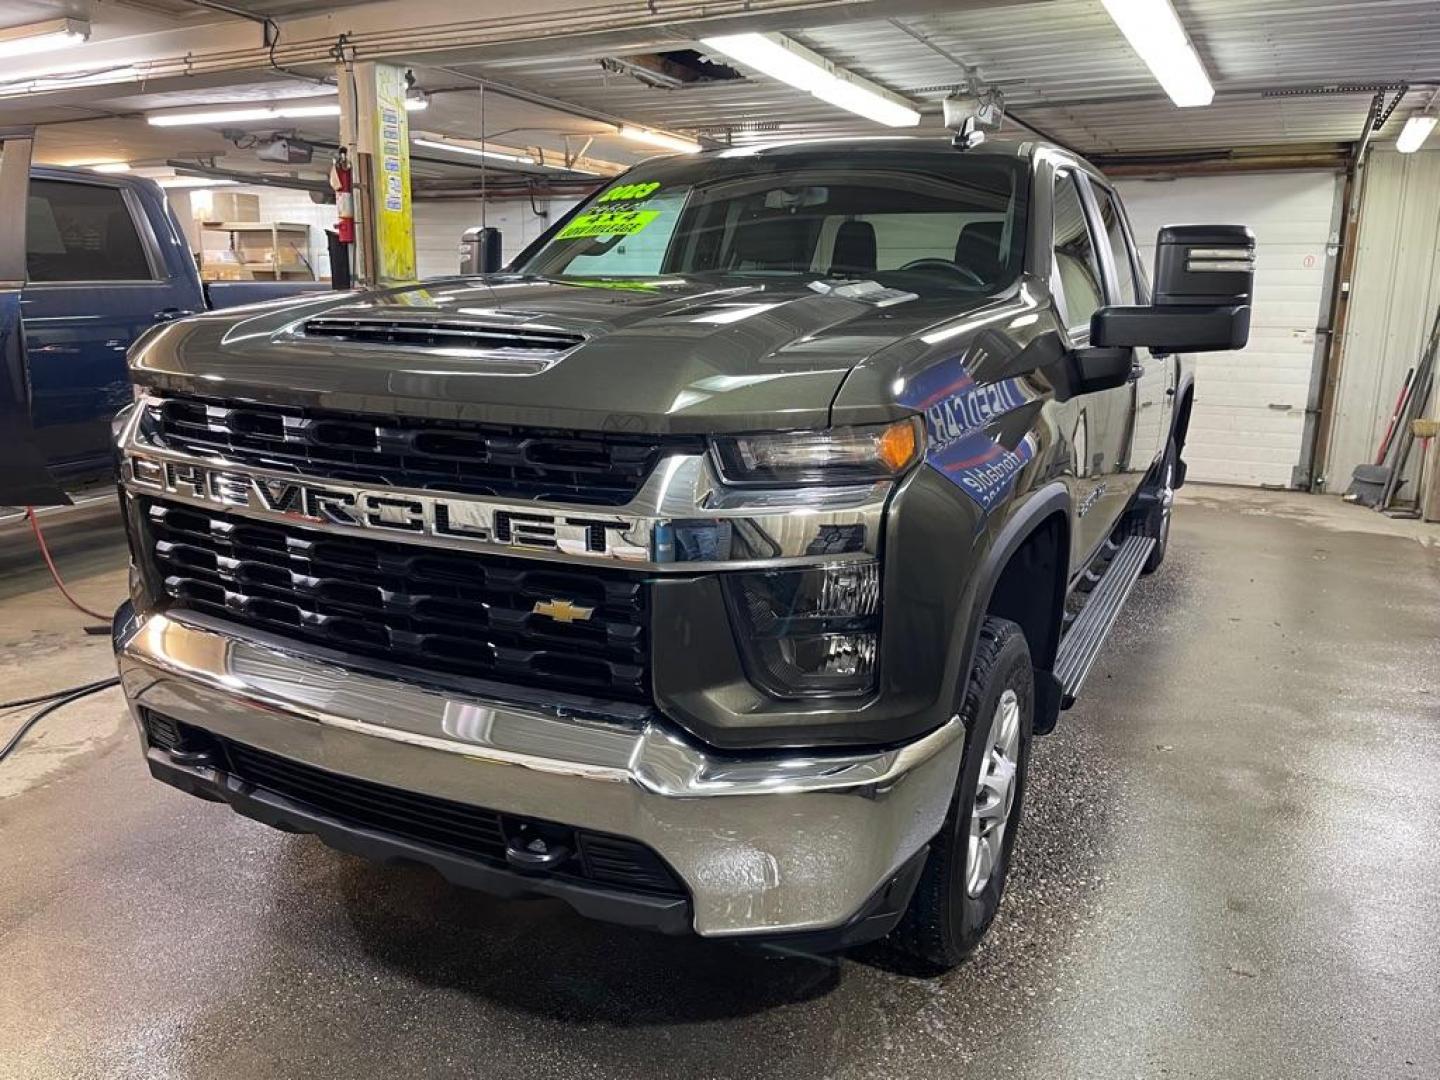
(385, 225)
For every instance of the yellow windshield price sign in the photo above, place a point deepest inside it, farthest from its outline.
(608, 223)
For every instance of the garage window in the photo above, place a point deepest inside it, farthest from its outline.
(82, 232)
(1077, 270)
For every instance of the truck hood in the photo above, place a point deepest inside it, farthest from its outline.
(675, 355)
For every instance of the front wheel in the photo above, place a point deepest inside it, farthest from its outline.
(964, 877)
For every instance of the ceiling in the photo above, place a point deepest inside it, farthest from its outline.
(1288, 73)
(1064, 67)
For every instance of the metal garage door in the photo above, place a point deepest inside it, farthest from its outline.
(1250, 406)
(1395, 287)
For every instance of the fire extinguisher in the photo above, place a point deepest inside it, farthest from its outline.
(340, 181)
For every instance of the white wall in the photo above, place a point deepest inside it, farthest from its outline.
(438, 225)
(1395, 288)
(1250, 405)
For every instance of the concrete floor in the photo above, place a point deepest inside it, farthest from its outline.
(1228, 868)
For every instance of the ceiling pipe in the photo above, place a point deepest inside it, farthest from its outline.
(294, 183)
(507, 193)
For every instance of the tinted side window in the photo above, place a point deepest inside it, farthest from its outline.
(1077, 271)
(1119, 245)
(81, 232)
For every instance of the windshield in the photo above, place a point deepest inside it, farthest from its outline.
(953, 223)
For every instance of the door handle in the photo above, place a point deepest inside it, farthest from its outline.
(170, 314)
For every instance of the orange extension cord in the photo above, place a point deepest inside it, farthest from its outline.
(54, 573)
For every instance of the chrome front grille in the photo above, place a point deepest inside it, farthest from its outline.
(587, 468)
(462, 614)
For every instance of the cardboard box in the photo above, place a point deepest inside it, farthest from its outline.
(233, 206)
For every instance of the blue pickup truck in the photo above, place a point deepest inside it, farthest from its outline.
(105, 259)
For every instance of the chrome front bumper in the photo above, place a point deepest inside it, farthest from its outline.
(787, 842)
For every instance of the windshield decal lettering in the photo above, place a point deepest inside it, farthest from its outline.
(608, 223)
(630, 192)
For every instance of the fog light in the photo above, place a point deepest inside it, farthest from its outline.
(812, 632)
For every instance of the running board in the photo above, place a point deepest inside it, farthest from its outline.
(1082, 642)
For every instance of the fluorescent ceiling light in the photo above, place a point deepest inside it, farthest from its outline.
(42, 37)
(192, 182)
(302, 108)
(660, 139)
(1413, 135)
(507, 155)
(1154, 32)
(474, 151)
(109, 167)
(790, 62)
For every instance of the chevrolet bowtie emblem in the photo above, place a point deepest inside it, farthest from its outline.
(563, 610)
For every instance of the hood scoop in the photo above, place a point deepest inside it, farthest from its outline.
(533, 348)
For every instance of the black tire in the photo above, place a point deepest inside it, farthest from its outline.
(945, 922)
(1158, 525)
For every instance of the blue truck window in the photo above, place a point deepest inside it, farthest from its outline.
(82, 232)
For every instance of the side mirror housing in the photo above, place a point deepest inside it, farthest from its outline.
(1204, 283)
(480, 251)
(1095, 369)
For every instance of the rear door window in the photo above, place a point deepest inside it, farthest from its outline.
(82, 232)
(1121, 251)
(1076, 279)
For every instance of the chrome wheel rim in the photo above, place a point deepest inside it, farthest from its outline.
(994, 794)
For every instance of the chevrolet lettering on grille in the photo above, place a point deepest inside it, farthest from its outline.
(456, 520)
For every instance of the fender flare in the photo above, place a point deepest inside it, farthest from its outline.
(1041, 504)
(1184, 393)
(1184, 390)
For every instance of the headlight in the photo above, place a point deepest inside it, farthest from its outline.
(812, 632)
(835, 456)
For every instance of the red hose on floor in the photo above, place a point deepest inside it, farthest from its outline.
(54, 573)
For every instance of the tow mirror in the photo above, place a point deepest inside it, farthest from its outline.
(1098, 369)
(1204, 283)
(480, 251)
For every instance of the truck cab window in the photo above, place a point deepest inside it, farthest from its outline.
(1076, 279)
(1120, 251)
(81, 232)
(907, 226)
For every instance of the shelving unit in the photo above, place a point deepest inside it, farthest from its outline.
(277, 250)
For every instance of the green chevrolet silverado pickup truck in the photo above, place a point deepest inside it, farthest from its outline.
(711, 568)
